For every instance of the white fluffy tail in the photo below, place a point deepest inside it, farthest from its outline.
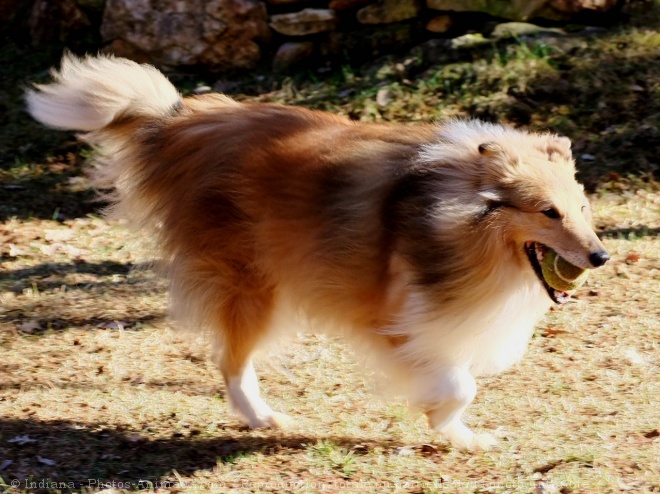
(89, 93)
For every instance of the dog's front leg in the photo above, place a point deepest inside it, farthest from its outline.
(246, 401)
(451, 391)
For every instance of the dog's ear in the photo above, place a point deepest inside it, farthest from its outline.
(559, 148)
(491, 149)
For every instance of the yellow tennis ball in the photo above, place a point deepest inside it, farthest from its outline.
(561, 274)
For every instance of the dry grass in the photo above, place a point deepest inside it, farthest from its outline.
(98, 387)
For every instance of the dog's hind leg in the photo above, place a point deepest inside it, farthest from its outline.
(453, 390)
(245, 320)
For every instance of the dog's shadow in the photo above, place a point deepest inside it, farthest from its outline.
(82, 454)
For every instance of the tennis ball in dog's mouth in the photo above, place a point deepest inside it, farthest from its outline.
(561, 274)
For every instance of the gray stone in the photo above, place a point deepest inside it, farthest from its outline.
(570, 7)
(221, 34)
(384, 97)
(468, 41)
(304, 22)
(508, 9)
(523, 29)
(292, 53)
(55, 21)
(521, 10)
(388, 11)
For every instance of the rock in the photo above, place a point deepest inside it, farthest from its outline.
(521, 10)
(304, 22)
(55, 21)
(220, 34)
(508, 9)
(384, 97)
(439, 24)
(468, 41)
(347, 4)
(388, 11)
(520, 29)
(291, 54)
(575, 6)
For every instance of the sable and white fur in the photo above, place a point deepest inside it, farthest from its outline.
(408, 239)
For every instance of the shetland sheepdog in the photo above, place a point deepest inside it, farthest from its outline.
(419, 243)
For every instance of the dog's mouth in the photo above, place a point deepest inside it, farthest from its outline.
(535, 252)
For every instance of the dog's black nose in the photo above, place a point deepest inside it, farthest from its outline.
(599, 258)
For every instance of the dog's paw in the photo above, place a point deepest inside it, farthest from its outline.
(464, 439)
(483, 441)
(273, 420)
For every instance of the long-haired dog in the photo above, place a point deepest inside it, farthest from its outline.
(419, 242)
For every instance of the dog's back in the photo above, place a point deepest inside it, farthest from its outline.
(240, 195)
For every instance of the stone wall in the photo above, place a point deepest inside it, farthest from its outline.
(236, 34)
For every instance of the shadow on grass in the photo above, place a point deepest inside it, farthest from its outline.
(84, 453)
(50, 187)
(180, 386)
(48, 322)
(102, 268)
(45, 199)
(57, 306)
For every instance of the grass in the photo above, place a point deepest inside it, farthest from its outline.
(97, 391)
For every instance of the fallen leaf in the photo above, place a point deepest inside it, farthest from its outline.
(633, 257)
(74, 251)
(547, 467)
(49, 250)
(633, 356)
(15, 251)
(29, 327)
(46, 461)
(552, 332)
(428, 449)
(404, 451)
(21, 440)
(546, 488)
(59, 235)
(114, 325)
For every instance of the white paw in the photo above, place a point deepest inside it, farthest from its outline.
(272, 420)
(461, 437)
(481, 441)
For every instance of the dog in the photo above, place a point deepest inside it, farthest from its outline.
(419, 243)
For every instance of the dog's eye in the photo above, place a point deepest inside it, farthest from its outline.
(551, 213)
